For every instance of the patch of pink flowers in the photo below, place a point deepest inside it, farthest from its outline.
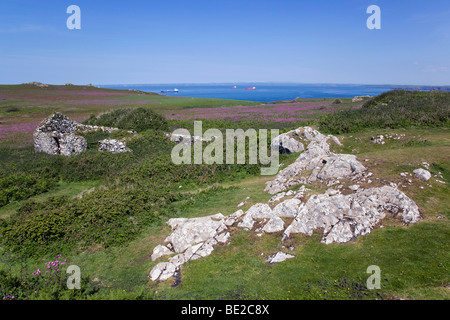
(37, 272)
(9, 296)
(55, 265)
(282, 112)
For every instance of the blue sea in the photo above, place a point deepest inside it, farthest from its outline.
(264, 92)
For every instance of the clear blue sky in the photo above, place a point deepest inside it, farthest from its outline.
(198, 41)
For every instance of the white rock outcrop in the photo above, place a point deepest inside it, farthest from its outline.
(345, 217)
(341, 217)
(324, 165)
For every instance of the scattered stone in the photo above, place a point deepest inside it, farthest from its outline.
(58, 135)
(113, 146)
(186, 138)
(38, 84)
(360, 98)
(422, 174)
(378, 139)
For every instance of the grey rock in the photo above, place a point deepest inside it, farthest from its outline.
(287, 143)
(279, 257)
(422, 174)
(113, 146)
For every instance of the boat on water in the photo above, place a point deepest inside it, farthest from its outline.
(250, 88)
(168, 91)
(233, 87)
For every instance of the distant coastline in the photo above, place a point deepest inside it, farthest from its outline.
(268, 92)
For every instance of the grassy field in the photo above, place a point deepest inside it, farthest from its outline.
(106, 213)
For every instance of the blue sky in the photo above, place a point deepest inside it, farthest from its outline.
(146, 41)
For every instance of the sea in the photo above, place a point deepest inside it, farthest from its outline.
(263, 92)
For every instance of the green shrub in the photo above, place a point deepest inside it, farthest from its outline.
(139, 119)
(20, 186)
(393, 109)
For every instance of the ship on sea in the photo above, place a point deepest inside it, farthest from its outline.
(168, 91)
(250, 88)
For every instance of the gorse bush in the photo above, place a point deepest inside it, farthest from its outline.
(394, 109)
(139, 119)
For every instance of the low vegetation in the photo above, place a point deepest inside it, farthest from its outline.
(393, 109)
(106, 212)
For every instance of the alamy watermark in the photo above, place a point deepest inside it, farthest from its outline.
(374, 281)
(374, 21)
(74, 20)
(219, 152)
(74, 280)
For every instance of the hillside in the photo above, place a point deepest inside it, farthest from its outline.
(107, 212)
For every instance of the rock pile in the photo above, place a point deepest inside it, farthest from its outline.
(378, 139)
(58, 135)
(113, 146)
(360, 98)
(186, 138)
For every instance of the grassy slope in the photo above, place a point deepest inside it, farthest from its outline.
(413, 260)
